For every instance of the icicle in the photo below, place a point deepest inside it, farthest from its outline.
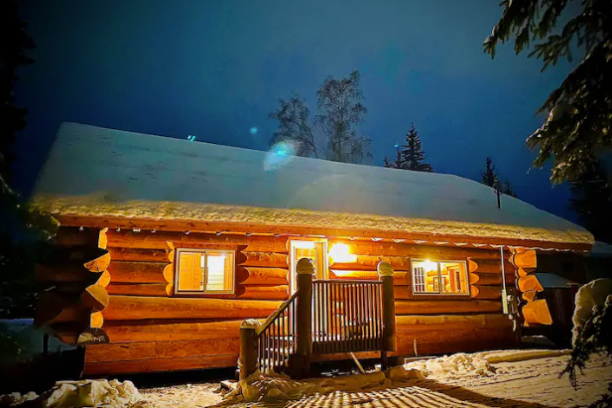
(397, 241)
(376, 239)
(187, 232)
(81, 228)
(134, 229)
(153, 231)
(461, 243)
(418, 241)
(479, 245)
(440, 243)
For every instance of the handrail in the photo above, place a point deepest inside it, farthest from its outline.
(276, 339)
(377, 282)
(274, 316)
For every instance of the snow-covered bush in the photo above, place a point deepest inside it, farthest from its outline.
(589, 296)
(81, 394)
(592, 331)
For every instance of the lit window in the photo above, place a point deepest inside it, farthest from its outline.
(316, 251)
(447, 277)
(204, 271)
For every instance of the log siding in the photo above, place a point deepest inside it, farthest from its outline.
(143, 311)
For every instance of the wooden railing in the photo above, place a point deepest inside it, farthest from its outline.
(276, 340)
(347, 316)
(322, 317)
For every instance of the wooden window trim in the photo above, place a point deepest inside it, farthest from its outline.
(292, 267)
(204, 293)
(440, 294)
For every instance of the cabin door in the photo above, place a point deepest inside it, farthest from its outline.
(316, 251)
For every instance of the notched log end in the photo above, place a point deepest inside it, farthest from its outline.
(99, 264)
(95, 297)
(102, 238)
(169, 273)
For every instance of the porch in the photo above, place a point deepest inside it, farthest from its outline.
(322, 319)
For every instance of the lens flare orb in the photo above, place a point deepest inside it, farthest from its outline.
(279, 155)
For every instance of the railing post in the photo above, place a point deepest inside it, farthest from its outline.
(305, 271)
(247, 362)
(385, 274)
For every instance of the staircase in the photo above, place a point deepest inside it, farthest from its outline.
(321, 317)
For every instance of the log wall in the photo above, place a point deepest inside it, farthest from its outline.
(151, 329)
(432, 324)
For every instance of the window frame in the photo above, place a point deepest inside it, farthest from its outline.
(293, 262)
(204, 292)
(439, 278)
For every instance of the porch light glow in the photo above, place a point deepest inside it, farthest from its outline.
(430, 266)
(340, 253)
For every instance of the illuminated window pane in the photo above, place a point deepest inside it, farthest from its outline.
(439, 277)
(191, 272)
(220, 276)
(205, 272)
(425, 276)
(454, 277)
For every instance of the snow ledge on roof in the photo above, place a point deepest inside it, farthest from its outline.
(98, 206)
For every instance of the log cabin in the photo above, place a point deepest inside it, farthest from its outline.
(166, 246)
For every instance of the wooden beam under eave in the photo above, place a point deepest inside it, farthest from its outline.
(212, 226)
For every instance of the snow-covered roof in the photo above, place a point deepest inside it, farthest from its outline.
(96, 171)
(552, 280)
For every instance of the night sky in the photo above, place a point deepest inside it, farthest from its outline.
(215, 69)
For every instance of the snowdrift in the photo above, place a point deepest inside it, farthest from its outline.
(78, 394)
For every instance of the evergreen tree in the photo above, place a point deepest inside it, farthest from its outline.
(489, 176)
(399, 160)
(579, 125)
(340, 111)
(412, 154)
(292, 116)
(14, 43)
(17, 284)
(388, 163)
(594, 337)
(592, 201)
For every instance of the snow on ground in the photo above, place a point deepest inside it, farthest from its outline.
(78, 394)
(525, 378)
(505, 379)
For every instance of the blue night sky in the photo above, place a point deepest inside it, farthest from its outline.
(215, 69)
